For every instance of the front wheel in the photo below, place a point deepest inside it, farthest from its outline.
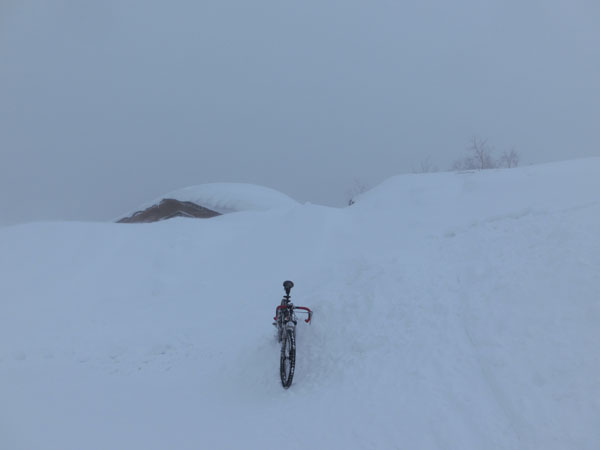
(288, 358)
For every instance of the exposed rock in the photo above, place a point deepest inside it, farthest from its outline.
(167, 209)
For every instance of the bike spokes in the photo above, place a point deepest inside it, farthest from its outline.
(288, 358)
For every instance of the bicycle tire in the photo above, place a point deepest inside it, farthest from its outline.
(279, 329)
(287, 362)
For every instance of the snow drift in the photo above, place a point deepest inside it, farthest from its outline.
(452, 311)
(226, 198)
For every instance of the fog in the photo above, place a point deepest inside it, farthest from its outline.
(107, 104)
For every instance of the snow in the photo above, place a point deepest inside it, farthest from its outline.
(228, 197)
(452, 311)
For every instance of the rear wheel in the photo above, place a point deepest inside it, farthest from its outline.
(288, 358)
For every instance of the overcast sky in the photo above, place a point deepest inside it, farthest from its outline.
(107, 104)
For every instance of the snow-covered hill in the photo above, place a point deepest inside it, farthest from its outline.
(452, 311)
(228, 197)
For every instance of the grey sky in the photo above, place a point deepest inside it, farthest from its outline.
(107, 104)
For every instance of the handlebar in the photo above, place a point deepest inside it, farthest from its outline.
(308, 310)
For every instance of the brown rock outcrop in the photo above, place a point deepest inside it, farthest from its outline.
(167, 209)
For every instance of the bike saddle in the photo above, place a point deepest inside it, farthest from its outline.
(288, 285)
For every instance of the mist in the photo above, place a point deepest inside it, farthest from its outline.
(106, 105)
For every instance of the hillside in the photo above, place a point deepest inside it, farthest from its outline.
(452, 311)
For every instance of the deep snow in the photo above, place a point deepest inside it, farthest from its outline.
(452, 311)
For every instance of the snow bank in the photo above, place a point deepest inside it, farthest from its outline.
(229, 197)
(444, 319)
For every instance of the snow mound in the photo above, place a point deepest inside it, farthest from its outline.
(233, 197)
(229, 197)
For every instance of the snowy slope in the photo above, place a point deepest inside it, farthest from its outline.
(452, 311)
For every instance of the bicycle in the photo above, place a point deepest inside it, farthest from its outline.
(286, 320)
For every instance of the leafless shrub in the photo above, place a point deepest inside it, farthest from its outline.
(426, 166)
(509, 159)
(357, 188)
(479, 156)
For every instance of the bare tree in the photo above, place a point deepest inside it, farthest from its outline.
(509, 158)
(479, 156)
(357, 188)
(426, 166)
(482, 153)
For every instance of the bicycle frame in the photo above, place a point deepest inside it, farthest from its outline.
(285, 317)
(286, 321)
